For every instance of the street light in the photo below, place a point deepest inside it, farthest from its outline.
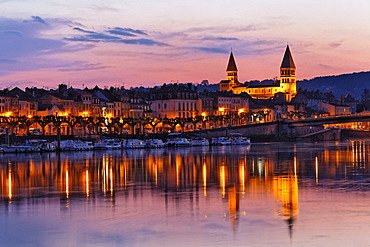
(84, 114)
(7, 114)
(221, 110)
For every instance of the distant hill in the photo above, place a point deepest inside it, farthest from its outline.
(354, 84)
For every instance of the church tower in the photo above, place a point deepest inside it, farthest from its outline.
(287, 75)
(232, 70)
(231, 75)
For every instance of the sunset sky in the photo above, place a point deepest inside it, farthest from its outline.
(147, 43)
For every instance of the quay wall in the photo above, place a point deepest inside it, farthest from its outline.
(264, 132)
(347, 134)
(271, 131)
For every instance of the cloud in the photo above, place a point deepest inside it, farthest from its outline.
(212, 50)
(227, 29)
(114, 36)
(25, 47)
(99, 8)
(23, 39)
(126, 31)
(85, 67)
(335, 45)
(38, 19)
(82, 30)
(220, 38)
(120, 32)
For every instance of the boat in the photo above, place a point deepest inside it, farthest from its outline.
(221, 141)
(88, 145)
(134, 143)
(179, 142)
(106, 144)
(199, 141)
(155, 143)
(22, 148)
(238, 139)
(46, 146)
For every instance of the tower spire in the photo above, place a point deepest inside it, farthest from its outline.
(287, 75)
(231, 66)
(288, 59)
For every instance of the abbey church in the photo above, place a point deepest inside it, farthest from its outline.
(286, 85)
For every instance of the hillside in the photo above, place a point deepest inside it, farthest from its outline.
(353, 84)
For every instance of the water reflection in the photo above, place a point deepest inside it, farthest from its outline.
(237, 174)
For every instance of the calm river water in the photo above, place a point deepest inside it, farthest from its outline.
(272, 194)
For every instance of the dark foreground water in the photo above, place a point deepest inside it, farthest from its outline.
(273, 194)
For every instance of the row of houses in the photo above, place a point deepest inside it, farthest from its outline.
(166, 101)
(171, 101)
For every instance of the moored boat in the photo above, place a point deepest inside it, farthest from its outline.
(107, 144)
(134, 143)
(199, 141)
(238, 139)
(221, 141)
(155, 143)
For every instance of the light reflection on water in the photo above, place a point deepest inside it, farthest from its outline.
(273, 194)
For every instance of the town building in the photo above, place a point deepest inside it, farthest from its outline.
(27, 105)
(175, 100)
(334, 109)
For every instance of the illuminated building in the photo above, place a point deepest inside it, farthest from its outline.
(286, 85)
(175, 100)
(231, 76)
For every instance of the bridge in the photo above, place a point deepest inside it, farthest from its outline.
(311, 129)
(331, 120)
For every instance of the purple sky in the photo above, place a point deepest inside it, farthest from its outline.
(134, 43)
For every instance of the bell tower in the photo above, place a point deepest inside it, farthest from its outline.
(232, 71)
(231, 75)
(288, 84)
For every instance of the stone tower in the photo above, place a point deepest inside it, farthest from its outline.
(231, 75)
(287, 75)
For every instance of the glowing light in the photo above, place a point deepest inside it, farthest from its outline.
(242, 178)
(67, 184)
(317, 169)
(178, 167)
(221, 109)
(204, 114)
(295, 160)
(7, 114)
(111, 180)
(222, 181)
(10, 191)
(29, 116)
(241, 110)
(84, 114)
(204, 170)
(87, 183)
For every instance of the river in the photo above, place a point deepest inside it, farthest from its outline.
(268, 194)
